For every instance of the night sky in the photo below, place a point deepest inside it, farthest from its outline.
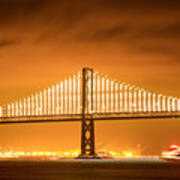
(45, 41)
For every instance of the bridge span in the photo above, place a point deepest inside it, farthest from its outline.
(89, 96)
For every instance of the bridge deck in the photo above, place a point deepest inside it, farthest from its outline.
(95, 116)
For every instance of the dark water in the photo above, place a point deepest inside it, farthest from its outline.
(88, 170)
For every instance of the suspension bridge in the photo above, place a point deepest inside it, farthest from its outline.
(88, 96)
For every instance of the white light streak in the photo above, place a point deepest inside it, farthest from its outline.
(57, 98)
(24, 107)
(17, 108)
(37, 105)
(66, 96)
(178, 105)
(70, 95)
(125, 98)
(159, 103)
(130, 99)
(94, 92)
(45, 101)
(121, 97)
(135, 100)
(112, 96)
(164, 103)
(49, 101)
(20, 107)
(116, 97)
(103, 93)
(149, 102)
(74, 94)
(1, 112)
(53, 100)
(41, 103)
(9, 110)
(154, 102)
(168, 104)
(12, 107)
(144, 101)
(33, 105)
(107, 95)
(173, 104)
(98, 94)
(79, 91)
(90, 110)
(62, 99)
(29, 105)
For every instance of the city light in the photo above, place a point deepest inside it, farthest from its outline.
(103, 153)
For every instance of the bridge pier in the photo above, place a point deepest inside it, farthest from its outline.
(87, 127)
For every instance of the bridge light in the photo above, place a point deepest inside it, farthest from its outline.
(17, 108)
(169, 104)
(173, 104)
(9, 110)
(144, 101)
(41, 103)
(164, 103)
(178, 104)
(20, 107)
(98, 93)
(33, 105)
(94, 91)
(62, 99)
(116, 97)
(57, 98)
(130, 99)
(49, 101)
(70, 95)
(45, 101)
(89, 93)
(74, 94)
(29, 106)
(37, 105)
(135, 99)
(103, 94)
(24, 106)
(126, 104)
(154, 102)
(159, 102)
(140, 100)
(121, 97)
(53, 100)
(107, 95)
(66, 96)
(149, 102)
(79, 93)
(112, 96)
(1, 112)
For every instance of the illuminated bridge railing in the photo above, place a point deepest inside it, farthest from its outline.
(110, 98)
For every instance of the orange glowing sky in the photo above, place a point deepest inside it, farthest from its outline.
(44, 41)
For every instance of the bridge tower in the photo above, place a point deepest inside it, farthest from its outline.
(87, 129)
